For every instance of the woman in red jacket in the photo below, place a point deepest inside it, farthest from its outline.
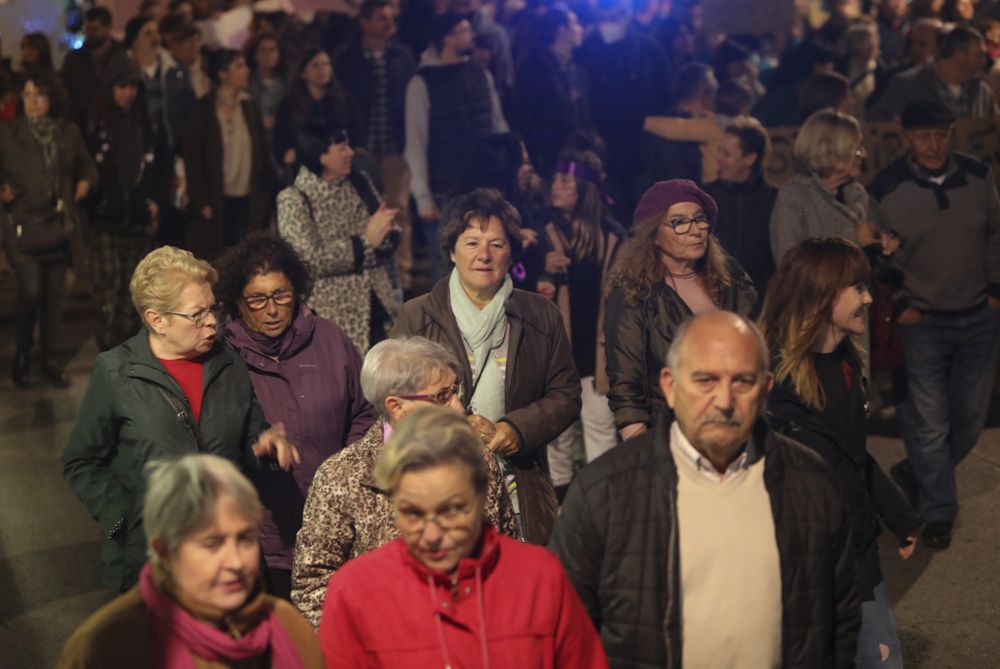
(451, 592)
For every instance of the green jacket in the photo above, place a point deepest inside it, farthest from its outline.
(125, 421)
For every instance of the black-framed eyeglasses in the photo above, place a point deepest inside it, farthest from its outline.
(682, 225)
(198, 317)
(281, 298)
(452, 517)
(441, 397)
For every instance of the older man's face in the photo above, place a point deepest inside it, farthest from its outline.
(719, 387)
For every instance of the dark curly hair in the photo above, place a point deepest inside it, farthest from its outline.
(259, 253)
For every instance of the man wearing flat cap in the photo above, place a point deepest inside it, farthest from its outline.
(944, 208)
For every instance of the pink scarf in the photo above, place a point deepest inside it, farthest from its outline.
(181, 636)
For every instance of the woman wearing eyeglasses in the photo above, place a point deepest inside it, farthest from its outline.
(347, 514)
(451, 591)
(171, 389)
(304, 371)
(669, 269)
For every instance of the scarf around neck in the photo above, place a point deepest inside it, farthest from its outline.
(181, 636)
(484, 331)
(44, 131)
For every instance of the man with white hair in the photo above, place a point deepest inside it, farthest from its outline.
(713, 541)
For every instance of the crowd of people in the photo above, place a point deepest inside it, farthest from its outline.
(386, 303)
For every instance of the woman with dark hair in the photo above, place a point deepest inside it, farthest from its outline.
(825, 90)
(670, 268)
(581, 238)
(315, 99)
(122, 213)
(817, 299)
(225, 158)
(335, 220)
(45, 171)
(36, 52)
(305, 373)
(268, 81)
(520, 384)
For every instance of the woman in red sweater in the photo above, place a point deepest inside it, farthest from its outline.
(451, 592)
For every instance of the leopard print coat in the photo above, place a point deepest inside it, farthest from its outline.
(331, 240)
(347, 515)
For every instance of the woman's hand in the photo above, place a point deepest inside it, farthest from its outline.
(906, 551)
(483, 427)
(546, 289)
(909, 316)
(380, 224)
(556, 263)
(505, 441)
(82, 188)
(274, 444)
(529, 237)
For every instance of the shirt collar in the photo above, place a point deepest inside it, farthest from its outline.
(702, 464)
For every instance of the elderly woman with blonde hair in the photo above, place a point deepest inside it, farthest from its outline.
(199, 601)
(824, 198)
(347, 512)
(451, 590)
(170, 390)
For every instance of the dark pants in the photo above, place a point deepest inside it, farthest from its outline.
(113, 258)
(950, 363)
(41, 286)
(279, 582)
(236, 220)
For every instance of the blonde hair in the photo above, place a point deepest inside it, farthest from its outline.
(799, 304)
(162, 275)
(426, 438)
(826, 142)
(182, 494)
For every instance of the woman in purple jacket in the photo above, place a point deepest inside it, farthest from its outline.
(305, 374)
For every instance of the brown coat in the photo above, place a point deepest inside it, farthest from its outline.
(120, 634)
(347, 515)
(202, 150)
(542, 388)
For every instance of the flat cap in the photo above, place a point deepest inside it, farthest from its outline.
(926, 114)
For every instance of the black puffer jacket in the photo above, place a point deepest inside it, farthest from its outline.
(637, 338)
(617, 538)
(872, 499)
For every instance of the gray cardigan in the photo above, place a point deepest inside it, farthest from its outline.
(806, 208)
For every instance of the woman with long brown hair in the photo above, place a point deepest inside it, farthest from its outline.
(669, 269)
(581, 240)
(817, 300)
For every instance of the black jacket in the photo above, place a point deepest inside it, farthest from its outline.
(126, 421)
(355, 72)
(872, 498)
(617, 538)
(637, 338)
(81, 77)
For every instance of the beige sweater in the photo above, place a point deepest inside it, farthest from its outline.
(730, 568)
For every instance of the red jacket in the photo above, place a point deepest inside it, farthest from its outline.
(513, 606)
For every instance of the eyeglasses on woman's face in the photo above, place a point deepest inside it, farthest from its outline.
(682, 225)
(281, 298)
(441, 398)
(452, 517)
(200, 318)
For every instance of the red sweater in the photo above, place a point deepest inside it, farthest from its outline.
(514, 604)
(190, 376)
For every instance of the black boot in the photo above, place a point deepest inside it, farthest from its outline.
(54, 373)
(21, 369)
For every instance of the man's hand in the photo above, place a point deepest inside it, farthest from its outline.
(909, 316)
(483, 427)
(546, 289)
(906, 551)
(505, 441)
(632, 430)
(81, 190)
(273, 443)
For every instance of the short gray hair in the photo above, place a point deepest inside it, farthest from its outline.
(428, 437)
(181, 497)
(826, 142)
(403, 366)
(675, 352)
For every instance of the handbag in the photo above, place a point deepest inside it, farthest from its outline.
(46, 233)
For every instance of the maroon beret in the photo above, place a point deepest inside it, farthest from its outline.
(665, 194)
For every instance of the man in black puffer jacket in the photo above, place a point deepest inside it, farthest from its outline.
(713, 529)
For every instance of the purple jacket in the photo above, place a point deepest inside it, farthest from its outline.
(314, 389)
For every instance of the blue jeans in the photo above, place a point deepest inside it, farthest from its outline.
(878, 642)
(950, 363)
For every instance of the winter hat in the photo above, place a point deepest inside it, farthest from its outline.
(133, 27)
(665, 194)
(442, 24)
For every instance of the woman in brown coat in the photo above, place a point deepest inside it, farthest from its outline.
(226, 160)
(518, 376)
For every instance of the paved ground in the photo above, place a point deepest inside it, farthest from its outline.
(946, 603)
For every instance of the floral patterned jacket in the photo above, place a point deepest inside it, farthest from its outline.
(347, 515)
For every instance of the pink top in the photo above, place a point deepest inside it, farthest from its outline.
(689, 287)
